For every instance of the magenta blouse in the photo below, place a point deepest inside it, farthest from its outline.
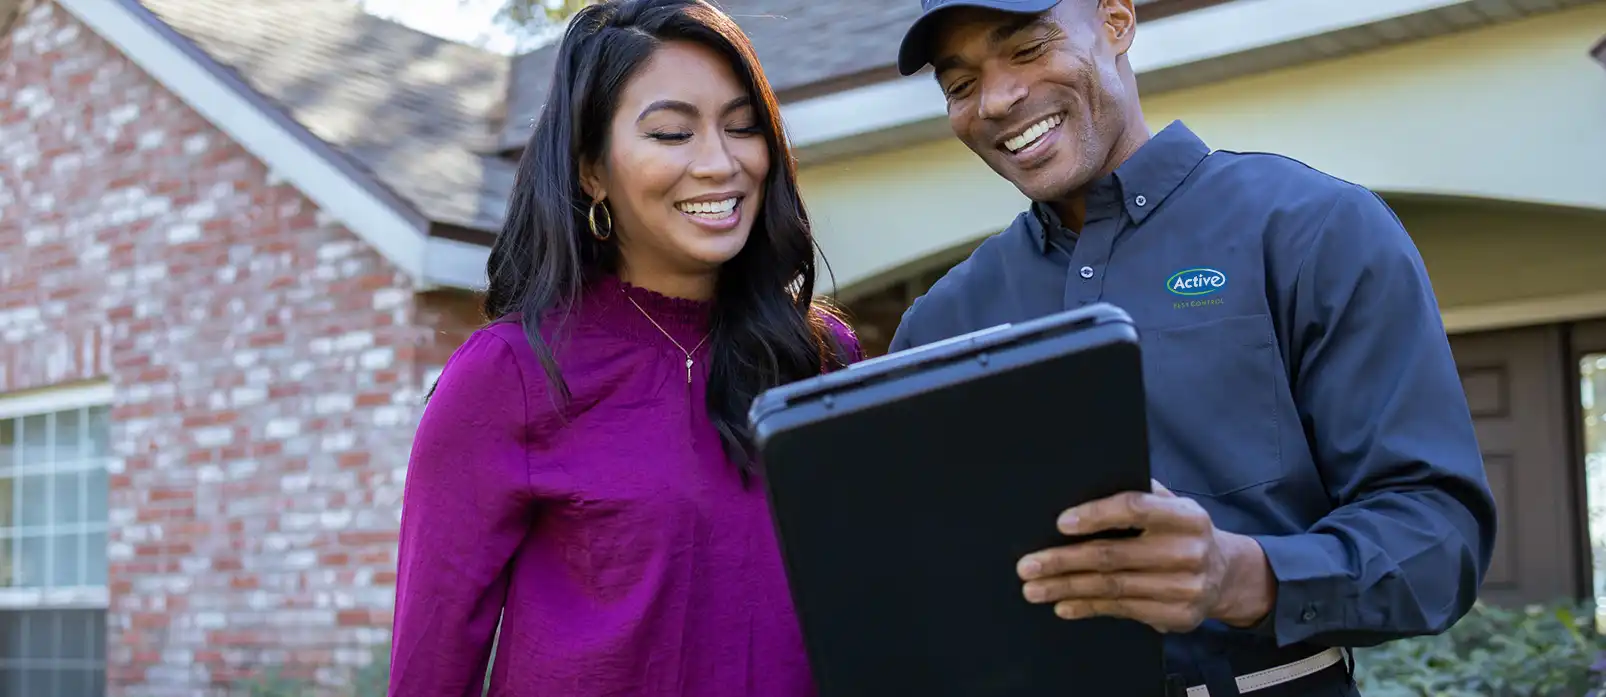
(614, 538)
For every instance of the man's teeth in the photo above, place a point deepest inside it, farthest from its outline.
(1019, 143)
(711, 209)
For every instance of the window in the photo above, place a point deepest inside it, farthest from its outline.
(53, 453)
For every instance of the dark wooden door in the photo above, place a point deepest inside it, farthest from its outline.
(1517, 385)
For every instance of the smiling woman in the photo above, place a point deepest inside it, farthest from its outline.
(684, 169)
(583, 470)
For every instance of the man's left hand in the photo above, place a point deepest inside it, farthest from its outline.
(1177, 573)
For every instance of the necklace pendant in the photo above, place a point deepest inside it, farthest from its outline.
(688, 371)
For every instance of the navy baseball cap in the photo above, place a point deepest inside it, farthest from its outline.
(915, 52)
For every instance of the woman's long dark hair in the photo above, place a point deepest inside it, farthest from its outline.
(767, 327)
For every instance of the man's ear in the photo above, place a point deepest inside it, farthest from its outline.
(1120, 24)
(591, 181)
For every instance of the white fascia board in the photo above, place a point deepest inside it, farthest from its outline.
(456, 264)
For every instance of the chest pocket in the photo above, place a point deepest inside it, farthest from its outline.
(1212, 389)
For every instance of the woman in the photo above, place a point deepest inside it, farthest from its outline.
(583, 470)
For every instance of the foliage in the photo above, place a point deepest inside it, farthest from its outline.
(1547, 651)
(528, 13)
(274, 683)
(1539, 651)
(371, 680)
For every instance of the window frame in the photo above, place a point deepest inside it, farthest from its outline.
(48, 599)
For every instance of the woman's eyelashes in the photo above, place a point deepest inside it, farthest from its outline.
(668, 136)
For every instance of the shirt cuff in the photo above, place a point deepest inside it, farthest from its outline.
(1307, 602)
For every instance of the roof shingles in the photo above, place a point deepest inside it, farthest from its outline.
(413, 110)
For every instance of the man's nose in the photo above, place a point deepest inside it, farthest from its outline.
(999, 95)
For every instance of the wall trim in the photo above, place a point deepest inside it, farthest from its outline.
(49, 399)
(71, 598)
(313, 166)
(1524, 313)
(456, 264)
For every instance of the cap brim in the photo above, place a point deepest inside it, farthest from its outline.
(914, 52)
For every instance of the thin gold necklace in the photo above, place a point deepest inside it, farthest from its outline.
(671, 338)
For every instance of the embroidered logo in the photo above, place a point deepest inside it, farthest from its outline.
(1196, 282)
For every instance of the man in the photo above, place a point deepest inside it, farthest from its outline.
(1304, 405)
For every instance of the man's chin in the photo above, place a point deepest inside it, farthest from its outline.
(1051, 183)
(1043, 190)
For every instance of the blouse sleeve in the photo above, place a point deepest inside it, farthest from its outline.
(845, 337)
(466, 506)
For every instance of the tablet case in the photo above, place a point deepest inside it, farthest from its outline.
(904, 490)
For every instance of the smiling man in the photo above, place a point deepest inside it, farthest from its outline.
(1319, 484)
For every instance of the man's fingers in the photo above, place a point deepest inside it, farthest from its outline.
(1173, 553)
(1166, 587)
(1160, 490)
(1165, 617)
(1131, 510)
(1123, 510)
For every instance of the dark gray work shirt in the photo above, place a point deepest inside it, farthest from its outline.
(1299, 380)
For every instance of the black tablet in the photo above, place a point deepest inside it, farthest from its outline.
(905, 489)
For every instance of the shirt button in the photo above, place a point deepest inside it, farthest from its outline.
(1141, 201)
(1087, 272)
(1309, 615)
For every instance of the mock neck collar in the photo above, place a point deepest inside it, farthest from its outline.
(648, 315)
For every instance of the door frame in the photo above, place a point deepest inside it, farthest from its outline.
(1580, 339)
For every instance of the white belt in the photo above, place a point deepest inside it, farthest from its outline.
(1279, 675)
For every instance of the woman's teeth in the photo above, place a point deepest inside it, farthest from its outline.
(708, 209)
(1040, 129)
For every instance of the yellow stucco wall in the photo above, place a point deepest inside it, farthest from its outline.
(1515, 111)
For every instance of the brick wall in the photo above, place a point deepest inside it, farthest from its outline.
(267, 365)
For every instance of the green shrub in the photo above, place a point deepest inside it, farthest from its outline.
(371, 680)
(1540, 651)
(273, 683)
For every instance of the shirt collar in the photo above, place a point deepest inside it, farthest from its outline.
(1138, 186)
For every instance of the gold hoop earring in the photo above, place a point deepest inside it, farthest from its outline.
(591, 218)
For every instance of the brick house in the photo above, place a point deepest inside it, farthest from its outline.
(208, 380)
(238, 239)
